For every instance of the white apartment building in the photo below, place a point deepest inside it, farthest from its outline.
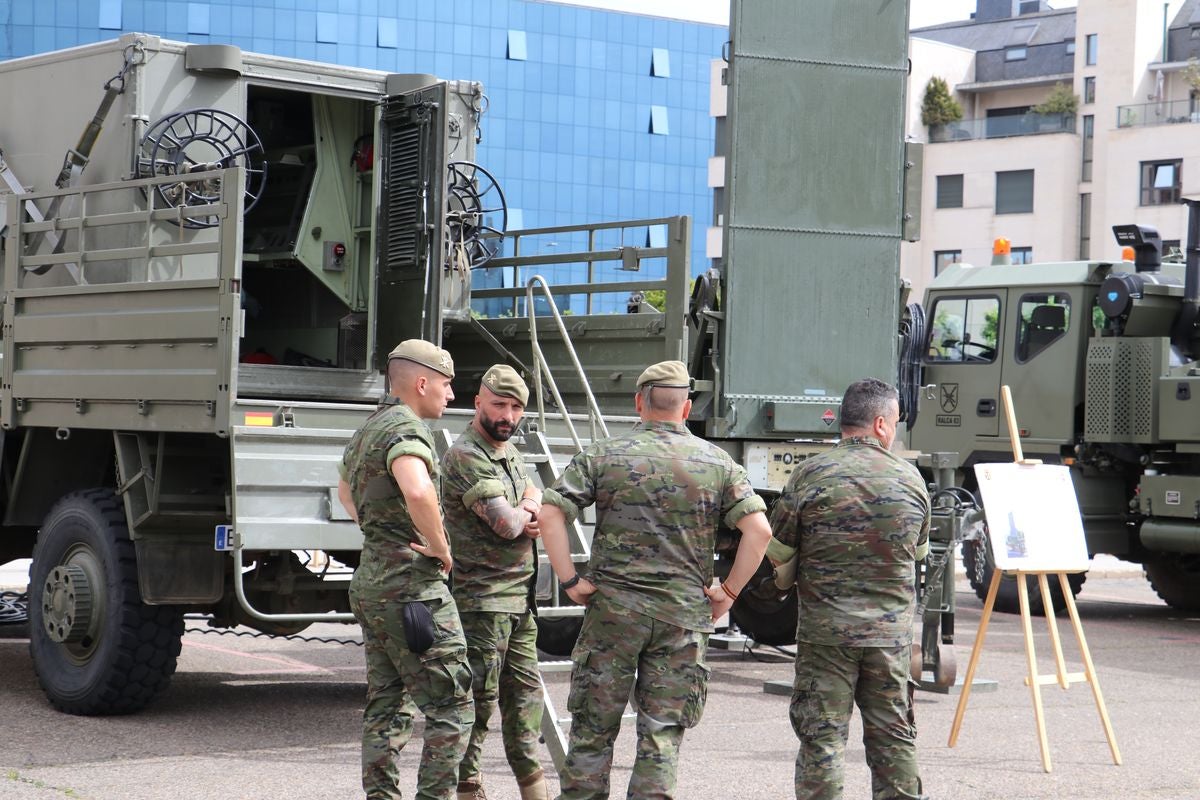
(1054, 185)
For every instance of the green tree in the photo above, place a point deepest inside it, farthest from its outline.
(939, 107)
(991, 324)
(1061, 100)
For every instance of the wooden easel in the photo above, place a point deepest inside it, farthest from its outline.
(1034, 680)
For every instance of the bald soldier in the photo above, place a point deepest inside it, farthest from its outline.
(414, 644)
(660, 495)
(491, 515)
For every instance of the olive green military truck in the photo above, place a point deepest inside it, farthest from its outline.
(1103, 360)
(199, 296)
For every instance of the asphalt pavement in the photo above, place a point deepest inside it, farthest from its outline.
(254, 717)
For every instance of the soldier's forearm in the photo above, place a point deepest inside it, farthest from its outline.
(505, 521)
(554, 539)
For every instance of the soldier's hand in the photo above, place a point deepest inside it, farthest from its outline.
(442, 554)
(719, 601)
(531, 528)
(582, 592)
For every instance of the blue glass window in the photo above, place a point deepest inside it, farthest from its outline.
(660, 62)
(110, 15)
(658, 120)
(516, 46)
(386, 35)
(327, 27)
(197, 21)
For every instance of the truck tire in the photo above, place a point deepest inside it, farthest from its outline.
(556, 635)
(96, 647)
(1176, 579)
(979, 565)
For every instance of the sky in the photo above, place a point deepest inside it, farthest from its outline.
(921, 13)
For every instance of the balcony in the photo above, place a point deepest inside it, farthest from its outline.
(1029, 124)
(1144, 114)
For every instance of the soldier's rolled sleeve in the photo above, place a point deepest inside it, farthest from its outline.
(483, 490)
(569, 509)
(410, 447)
(574, 490)
(778, 551)
(744, 508)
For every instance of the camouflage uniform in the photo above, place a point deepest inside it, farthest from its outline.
(492, 583)
(389, 575)
(858, 515)
(660, 494)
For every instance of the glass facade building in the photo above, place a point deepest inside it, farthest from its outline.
(592, 115)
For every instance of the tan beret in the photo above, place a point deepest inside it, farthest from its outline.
(504, 380)
(426, 354)
(670, 374)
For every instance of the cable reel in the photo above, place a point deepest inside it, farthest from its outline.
(201, 140)
(476, 214)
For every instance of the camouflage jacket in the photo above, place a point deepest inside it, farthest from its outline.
(660, 495)
(491, 573)
(388, 565)
(857, 515)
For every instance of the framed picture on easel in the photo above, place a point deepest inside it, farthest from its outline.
(1033, 517)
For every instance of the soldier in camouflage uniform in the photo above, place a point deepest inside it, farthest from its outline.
(660, 495)
(416, 653)
(491, 511)
(856, 518)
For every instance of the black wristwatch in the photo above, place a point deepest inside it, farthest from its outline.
(571, 583)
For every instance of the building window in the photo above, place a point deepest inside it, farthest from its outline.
(1093, 45)
(197, 18)
(1014, 192)
(516, 46)
(1169, 245)
(386, 33)
(1015, 54)
(110, 15)
(658, 120)
(1161, 182)
(1089, 89)
(660, 62)
(944, 258)
(1085, 226)
(1022, 255)
(1196, 31)
(1089, 143)
(1070, 43)
(949, 191)
(327, 27)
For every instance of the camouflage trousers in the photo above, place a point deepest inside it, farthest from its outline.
(437, 681)
(502, 650)
(618, 651)
(829, 682)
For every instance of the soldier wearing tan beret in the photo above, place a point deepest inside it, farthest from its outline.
(415, 649)
(660, 495)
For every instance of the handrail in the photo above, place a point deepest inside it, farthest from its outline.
(543, 369)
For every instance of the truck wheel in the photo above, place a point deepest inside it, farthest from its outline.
(556, 635)
(979, 565)
(96, 647)
(1176, 579)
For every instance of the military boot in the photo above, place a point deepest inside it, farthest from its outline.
(471, 790)
(533, 787)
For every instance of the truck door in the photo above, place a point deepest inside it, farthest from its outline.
(961, 401)
(412, 215)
